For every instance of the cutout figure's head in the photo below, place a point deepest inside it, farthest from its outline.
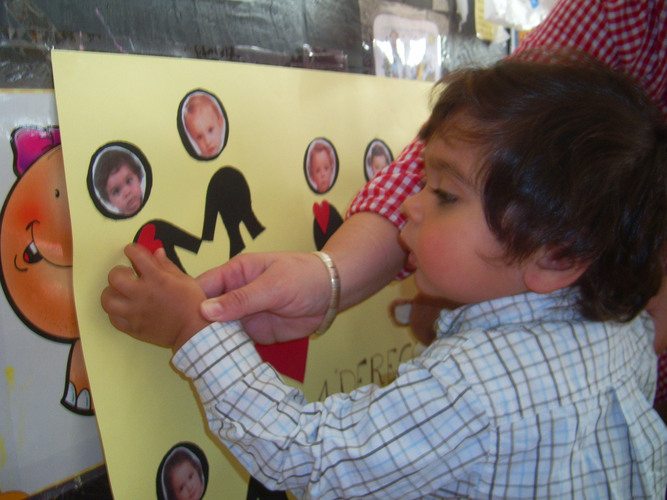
(204, 124)
(378, 158)
(183, 477)
(118, 177)
(321, 166)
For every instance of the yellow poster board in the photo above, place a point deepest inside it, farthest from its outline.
(272, 118)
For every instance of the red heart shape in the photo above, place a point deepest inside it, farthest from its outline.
(288, 358)
(321, 212)
(147, 238)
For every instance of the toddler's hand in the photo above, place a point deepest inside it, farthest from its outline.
(156, 302)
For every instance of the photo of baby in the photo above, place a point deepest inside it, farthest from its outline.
(202, 124)
(321, 165)
(377, 156)
(183, 473)
(119, 180)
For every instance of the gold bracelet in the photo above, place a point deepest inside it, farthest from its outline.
(335, 292)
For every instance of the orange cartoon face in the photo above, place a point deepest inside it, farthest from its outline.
(36, 249)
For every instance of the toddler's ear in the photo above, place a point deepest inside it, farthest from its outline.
(546, 271)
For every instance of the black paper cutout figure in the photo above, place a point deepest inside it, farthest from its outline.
(190, 457)
(377, 156)
(109, 160)
(327, 220)
(228, 194)
(210, 119)
(156, 233)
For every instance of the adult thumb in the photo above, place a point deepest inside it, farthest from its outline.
(230, 306)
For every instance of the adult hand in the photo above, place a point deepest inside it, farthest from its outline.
(284, 296)
(277, 296)
(155, 302)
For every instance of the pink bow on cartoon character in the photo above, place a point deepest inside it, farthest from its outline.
(31, 143)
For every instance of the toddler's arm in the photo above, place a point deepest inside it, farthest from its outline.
(155, 302)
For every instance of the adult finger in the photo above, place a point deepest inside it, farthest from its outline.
(233, 274)
(257, 296)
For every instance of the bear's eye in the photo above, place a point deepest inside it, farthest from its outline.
(57, 193)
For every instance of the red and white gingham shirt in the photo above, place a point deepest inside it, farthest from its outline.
(627, 35)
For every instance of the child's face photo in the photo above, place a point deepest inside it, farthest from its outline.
(321, 170)
(455, 254)
(205, 126)
(378, 162)
(186, 482)
(124, 190)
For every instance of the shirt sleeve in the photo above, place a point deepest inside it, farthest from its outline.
(412, 437)
(387, 190)
(627, 35)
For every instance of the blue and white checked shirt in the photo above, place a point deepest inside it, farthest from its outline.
(517, 398)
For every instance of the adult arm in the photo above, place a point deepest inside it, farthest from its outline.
(626, 35)
(283, 296)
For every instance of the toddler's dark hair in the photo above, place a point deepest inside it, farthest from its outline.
(573, 159)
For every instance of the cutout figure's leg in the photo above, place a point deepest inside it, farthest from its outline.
(228, 194)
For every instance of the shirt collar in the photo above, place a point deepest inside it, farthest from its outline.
(524, 308)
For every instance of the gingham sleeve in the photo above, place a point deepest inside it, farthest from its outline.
(385, 192)
(627, 35)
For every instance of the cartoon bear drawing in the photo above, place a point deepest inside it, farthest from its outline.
(36, 252)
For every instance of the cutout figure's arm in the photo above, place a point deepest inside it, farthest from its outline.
(162, 234)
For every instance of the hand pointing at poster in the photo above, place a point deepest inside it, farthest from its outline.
(155, 301)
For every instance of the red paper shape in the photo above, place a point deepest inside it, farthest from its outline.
(288, 358)
(147, 238)
(321, 212)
